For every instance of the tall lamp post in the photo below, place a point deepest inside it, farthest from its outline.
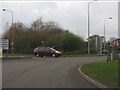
(89, 26)
(104, 31)
(12, 42)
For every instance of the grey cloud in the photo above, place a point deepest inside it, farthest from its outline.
(69, 15)
(0, 21)
(104, 10)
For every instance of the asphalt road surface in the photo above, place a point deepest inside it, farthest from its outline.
(46, 72)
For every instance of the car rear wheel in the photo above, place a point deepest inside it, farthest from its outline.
(37, 55)
(53, 55)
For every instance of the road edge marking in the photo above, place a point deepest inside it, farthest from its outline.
(90, 80)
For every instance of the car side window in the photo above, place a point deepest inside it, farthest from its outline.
(37, 49)
(46, 49)
(51, 50)
(41, 49)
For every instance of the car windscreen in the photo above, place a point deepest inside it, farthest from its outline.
(52, 49)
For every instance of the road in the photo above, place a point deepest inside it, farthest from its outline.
(46, 72)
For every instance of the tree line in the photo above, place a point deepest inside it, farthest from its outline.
(41, 33)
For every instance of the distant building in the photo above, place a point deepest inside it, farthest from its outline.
(97, 42)
(111, 39)
(116, 42)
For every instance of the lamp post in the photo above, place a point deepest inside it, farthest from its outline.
(42, 42)
(89, 26)
(12, 42)
(104, 31)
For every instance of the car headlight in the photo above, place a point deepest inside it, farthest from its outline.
(58, 52)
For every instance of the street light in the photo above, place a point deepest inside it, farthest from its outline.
(12, 42)
(89, 27)
(104, 30)
(42, 42)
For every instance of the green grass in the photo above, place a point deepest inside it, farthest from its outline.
(84, 55)
(103, 72)
(0, 53)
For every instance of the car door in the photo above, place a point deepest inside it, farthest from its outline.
(46, 51)
(41, 52)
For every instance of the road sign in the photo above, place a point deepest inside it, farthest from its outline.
(5, 44)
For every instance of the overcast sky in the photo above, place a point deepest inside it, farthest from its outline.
(71, 15)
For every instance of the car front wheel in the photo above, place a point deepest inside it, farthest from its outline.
(53, 55)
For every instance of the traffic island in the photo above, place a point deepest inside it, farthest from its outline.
(101, 74)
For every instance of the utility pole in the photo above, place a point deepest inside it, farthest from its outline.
(12, 41)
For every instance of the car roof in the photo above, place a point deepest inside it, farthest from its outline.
(44, 47)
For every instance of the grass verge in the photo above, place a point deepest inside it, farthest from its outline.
(0, 53)
(84, 55)
(103, 72)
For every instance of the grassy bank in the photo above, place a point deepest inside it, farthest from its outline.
(103, 72)
(84, 55)
(0, 53)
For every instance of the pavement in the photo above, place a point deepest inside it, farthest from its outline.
(15, 57)
(46, 72)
